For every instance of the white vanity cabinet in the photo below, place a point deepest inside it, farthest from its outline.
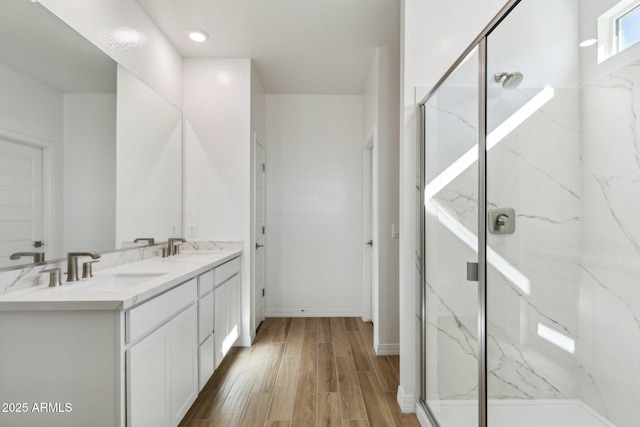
(74, 356)
(228, 316)
(162, 365)
(205, 328)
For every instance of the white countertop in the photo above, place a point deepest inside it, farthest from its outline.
(74, 296)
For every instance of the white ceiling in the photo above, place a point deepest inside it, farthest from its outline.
(37, 43)
(298, 46)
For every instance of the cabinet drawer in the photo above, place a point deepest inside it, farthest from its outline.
(145, 317)
(205, 317)
(227, 270)
(205, 283)
(205, 362)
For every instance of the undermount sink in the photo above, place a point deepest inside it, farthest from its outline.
(197, 254)
(112, 282)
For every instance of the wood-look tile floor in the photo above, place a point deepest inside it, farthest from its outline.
(303, 372)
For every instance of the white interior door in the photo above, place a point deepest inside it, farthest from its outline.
(20, 200)
(367, 268)
(259, 286)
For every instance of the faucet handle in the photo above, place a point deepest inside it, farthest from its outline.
(87, 269)
(55, 276)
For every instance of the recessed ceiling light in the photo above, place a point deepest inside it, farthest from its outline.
(198, 35)
(588, 42)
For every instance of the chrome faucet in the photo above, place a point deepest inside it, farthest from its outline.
(171, 245)
(37, 256)
(72, 263)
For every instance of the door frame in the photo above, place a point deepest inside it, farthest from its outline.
(254, 285)
(49, 171)
(370, 229)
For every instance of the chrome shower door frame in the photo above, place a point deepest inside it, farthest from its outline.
(481, 43)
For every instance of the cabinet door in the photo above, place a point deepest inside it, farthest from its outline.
(148, 398)
(184, 362)
(220, 323)
(233, 312)
(206, 360)
(205, 317)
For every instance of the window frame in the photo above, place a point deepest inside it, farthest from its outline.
(609, 37)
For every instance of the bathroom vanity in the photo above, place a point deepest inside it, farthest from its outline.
(132, 346)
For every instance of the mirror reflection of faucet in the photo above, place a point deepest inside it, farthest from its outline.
(150, 240)
(37, 256)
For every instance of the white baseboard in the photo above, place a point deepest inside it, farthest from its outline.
(407, 402)
(423, 419)
(295, 312)
(243, 341)
(387, 349)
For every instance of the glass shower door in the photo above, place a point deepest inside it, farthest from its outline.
(450, 323)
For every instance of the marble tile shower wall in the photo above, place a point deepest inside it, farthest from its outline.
(545, 192)
(609, 273)
(572, 173)
(30, 276)
(535, 170)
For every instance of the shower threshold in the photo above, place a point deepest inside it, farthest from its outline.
(520, 413)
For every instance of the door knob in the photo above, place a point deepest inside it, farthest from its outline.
(258, 246)
(370, 243)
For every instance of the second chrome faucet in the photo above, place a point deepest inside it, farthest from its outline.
(72, 263)
(172, 247)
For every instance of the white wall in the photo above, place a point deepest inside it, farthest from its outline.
(124, 32)
(31, 112)
(388, 197)
(434, 34)
(89, 172)
(314, 205)
(28, 106)
(381, 105)
(149, 163)
(217, 196)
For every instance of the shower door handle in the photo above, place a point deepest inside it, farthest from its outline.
(472, 271)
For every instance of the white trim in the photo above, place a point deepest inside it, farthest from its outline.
(296, 312)
(243, 341)
(423, 419)
(367, 229)
(387, 349)
(407, 402)
(607, 36)
(254, 295)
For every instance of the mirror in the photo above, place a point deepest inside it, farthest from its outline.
(90, 157)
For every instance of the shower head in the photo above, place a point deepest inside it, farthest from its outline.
(509, 80)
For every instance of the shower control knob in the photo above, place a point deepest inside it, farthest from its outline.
(502, 221)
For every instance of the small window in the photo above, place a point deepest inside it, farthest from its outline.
(628, 28)
(618, 28)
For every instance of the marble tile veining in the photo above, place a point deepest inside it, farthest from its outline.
(32, 275)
